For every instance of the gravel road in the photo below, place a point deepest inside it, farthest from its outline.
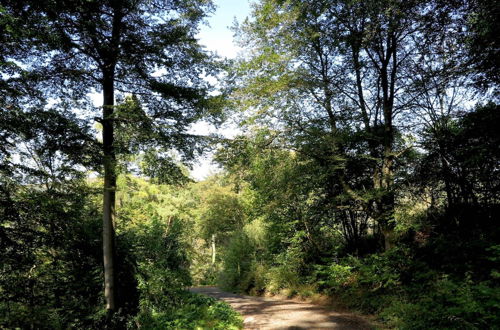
(271, 313)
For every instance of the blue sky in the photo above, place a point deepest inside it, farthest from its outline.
(217, 36)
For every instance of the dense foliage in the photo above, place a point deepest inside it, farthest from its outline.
(144, 60)
(442, 271)
(52, 260)
(367, 169)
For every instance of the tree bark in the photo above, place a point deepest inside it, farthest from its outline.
(109, 194)
(213, 249)
(108, 67)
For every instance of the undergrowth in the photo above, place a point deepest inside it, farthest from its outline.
(401, 290)
(194, 312)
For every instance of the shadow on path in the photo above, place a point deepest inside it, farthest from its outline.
(269, 313)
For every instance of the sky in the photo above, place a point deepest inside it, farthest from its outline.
(218, 37)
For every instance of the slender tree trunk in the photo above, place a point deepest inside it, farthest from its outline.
(108, 233)
(109, 196)
(213, 249)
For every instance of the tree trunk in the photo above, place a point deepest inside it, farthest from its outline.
(386, 203)
(108, 233)
(388, 77)
(213, 249)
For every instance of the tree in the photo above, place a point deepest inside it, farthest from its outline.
(344, 68)
(145, 48)
(49, 230)
(462, 155)
(220, 214)
(484, 41)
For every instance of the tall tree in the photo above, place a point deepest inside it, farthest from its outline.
(343, 67)
(118, 47)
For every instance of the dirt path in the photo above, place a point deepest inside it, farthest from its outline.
(269, 313)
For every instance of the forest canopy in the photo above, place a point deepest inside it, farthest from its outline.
(367, 168)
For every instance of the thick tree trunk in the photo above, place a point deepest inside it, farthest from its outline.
(108, 233)
(386, 203)
(386, 216)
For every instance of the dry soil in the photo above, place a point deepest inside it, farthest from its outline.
(273, 313)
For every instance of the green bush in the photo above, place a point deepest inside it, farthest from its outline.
(407, 294)
(162, 267)
(384, 271)
(49, 248)
(282, 277)
(255, 279)
(193, 312)
(332, 277)
(237, 259)
(287, 272)
(448, 304)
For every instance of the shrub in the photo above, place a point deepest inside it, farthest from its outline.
(193, 312)
(237, 262)
(332, 277)
(286, 274)
(255, 280)
(447, 304)
(49, 246)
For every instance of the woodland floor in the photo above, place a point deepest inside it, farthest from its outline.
(272, 313)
